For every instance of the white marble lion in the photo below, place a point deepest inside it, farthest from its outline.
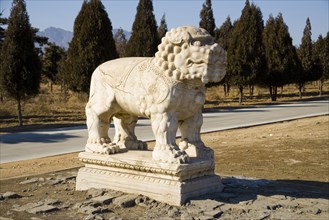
(168, 88)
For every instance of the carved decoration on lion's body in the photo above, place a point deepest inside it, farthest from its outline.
(168, 88)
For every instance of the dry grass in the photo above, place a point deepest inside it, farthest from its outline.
(217, 98)
(54, 109)
(46, 108)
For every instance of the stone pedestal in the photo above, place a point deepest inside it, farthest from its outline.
(135, 172)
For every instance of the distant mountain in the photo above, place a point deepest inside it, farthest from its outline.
(62, 37)
(58, 36)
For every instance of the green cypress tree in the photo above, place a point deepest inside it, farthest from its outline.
(62, 76)
(144, 38)
(273, 76)
(245, 57)
(317, 54)
(222, 36)
(120, 42)
(163, 28)
(279, 55)
(207, 21)
(50, 62)
(92, 44)
(306, 57)
(20, 65)
(325, 60)
(257, 55)
(321, 60)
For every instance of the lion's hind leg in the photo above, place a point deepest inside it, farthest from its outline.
(125, 136)
(98, 125)
(99, 111)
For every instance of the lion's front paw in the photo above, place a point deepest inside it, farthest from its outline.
(169, 154)
(101, 146)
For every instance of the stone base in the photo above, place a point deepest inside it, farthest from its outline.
(135, 172)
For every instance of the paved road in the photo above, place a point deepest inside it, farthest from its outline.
(36, 144)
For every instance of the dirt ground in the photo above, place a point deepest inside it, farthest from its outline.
(295, 149)
(291, 160)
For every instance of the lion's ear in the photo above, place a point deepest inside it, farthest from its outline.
(179, 38)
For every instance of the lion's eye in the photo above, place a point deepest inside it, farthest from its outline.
(189, 62)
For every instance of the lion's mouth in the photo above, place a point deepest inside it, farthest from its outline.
(215, 72)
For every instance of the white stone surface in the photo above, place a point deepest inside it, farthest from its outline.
(136, 173)
(168, 88)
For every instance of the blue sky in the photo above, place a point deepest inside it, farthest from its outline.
(61, 13)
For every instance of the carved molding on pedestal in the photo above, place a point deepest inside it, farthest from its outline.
(196, 168)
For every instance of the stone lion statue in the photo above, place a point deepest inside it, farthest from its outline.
(168, 88)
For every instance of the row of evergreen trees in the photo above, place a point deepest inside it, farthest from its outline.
(22, 63)
(265, 55)
(257, 54)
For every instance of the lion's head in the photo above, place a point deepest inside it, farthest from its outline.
(191, 53)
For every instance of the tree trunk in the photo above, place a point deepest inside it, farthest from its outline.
(273, 93)
(63, 87)
(300, 88)
(320, 87)
(64, 90)
(240, 94)
(226, 89)
(251, 90)
(19, 109)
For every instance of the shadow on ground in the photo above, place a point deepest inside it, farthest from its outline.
(34, 137)
(237, 190)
